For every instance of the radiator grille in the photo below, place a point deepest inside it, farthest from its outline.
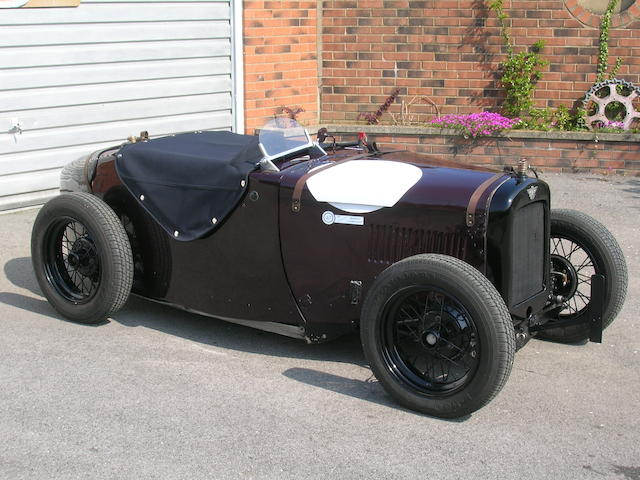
(527, 250)
(389, 244)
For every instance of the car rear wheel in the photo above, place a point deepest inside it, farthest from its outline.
(437, 335)
(581, 247)
(149, 245)
(81, 257)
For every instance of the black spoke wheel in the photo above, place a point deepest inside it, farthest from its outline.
(71, 260)
(572, 268)
(580, 247)
(429, 340)
(81, 257)
(437, 335)
(152, 261)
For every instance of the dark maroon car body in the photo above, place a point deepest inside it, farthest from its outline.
(445, 271)
(281, 270)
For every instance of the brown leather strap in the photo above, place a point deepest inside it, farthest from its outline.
(297, 190)
(475, 197)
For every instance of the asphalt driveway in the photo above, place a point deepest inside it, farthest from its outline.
(159, 393)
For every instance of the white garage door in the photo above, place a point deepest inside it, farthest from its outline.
(73, 80)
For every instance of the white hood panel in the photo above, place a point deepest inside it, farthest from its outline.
(374, 183)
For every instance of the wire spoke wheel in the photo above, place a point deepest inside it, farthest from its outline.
(430, 340)
(437, 335)
(572, 267)
(581, 247)
(150, 249)
(136, 250)
(81, 257)
(72, 263)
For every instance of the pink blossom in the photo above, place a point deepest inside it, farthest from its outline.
(476, 124)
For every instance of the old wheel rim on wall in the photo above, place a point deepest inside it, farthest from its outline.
(430, 342)
(72, 261)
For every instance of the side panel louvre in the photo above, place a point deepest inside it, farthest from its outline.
(389, 244)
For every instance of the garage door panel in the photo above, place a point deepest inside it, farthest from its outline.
(34, 35)
(42, 77)
(224, 2)
(15, 101)
(27, 182)
(51, 158)
(111, 112)
(78, 79)
(53, 55)
(134, 13)
(112, 132)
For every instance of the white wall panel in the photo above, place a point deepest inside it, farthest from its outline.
(80, 79)
(100, 113)
(41, 77)
(33, 35)
(115, 52)
(13, 101)
(112, 131)
(133, 13)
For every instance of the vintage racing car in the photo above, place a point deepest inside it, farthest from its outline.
(446, 271)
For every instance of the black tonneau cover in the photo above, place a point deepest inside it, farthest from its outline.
(189, 182)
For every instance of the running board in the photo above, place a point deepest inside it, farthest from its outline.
(292, 331)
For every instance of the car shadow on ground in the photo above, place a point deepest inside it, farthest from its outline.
(140, 312)
(19, 271)
(24, 302)
(369, 389)
(207, 331)
(633, 187)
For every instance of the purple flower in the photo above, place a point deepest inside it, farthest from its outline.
(475, 124)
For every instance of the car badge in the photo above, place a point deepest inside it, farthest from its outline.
(328, 218)
(532, 190)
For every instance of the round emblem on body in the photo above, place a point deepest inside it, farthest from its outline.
(328, 217)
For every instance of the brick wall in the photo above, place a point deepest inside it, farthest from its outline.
(449, 50)
(568, 152)
(280, 59)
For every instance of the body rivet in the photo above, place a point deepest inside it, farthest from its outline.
(176, 233)
(214, 220)
(142, 198)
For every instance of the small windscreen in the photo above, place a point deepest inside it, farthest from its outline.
(282, 135)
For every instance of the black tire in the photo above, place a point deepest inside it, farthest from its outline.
(591, 240)
(81, 257)
(149, 245)
(462, 324)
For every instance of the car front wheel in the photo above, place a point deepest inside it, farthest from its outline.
(437, 335)
(581, 247)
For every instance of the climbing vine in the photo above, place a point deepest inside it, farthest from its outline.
(520, 72)
(603, 56)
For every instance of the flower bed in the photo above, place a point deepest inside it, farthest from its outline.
(475, 124)
(596, 152)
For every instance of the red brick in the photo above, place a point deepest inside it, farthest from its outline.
(370, 47)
